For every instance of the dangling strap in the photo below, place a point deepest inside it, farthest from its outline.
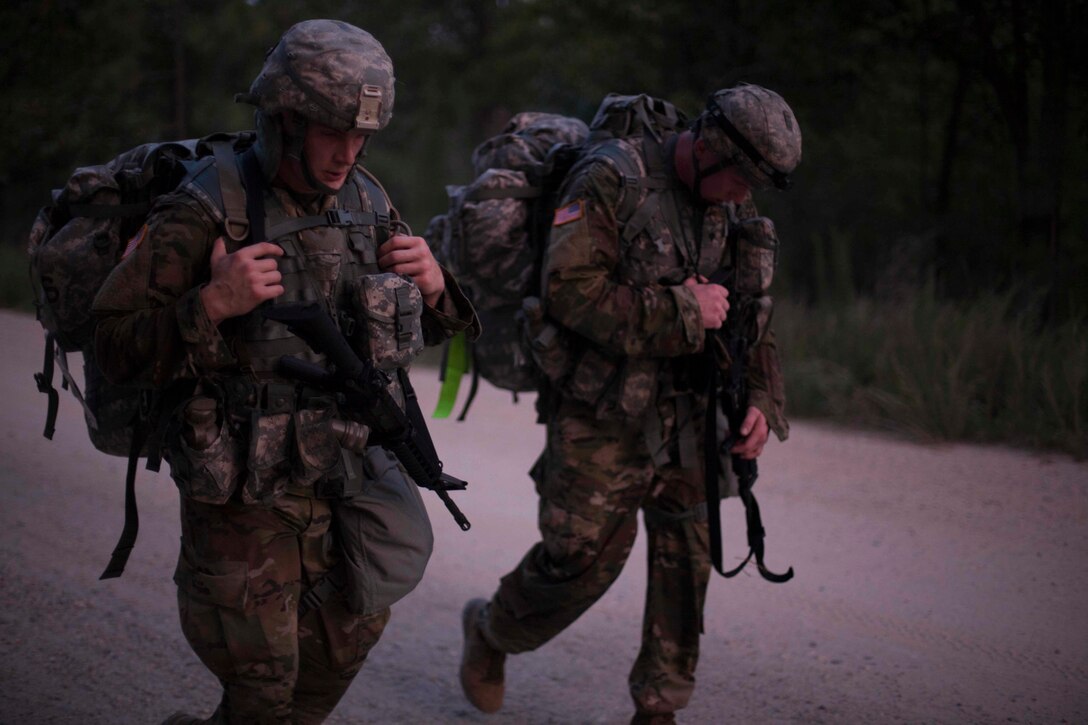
(132, 516)
(454, 365)
(70, 384)
(44, 379)
(475, 385)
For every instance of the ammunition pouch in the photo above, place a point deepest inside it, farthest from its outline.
(207, 459)
(255, 441)
(547, 343)
(389, 310)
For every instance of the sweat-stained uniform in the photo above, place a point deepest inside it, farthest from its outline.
(255, 500)
(624, 429)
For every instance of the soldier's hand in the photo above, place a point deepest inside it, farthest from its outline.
(241, 280)
(713, 301)
(754, 432)
(411, 256)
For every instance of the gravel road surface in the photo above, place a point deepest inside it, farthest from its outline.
(937, 584)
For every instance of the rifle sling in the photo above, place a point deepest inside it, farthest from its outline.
(746, 475)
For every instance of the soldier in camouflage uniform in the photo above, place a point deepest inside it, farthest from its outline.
(624, 429)
(261, 460)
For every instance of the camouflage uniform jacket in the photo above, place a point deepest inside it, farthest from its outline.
(620, 290)
(152, 327)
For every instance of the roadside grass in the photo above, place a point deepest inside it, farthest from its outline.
(940, 371)
(930, 369)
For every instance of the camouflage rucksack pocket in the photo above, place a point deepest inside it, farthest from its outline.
(316, 444)
(206, 461)
(757, 255)
(389, 311)
(269, 461)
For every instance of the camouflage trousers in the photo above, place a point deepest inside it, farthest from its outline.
(596, 476)
(239, 578)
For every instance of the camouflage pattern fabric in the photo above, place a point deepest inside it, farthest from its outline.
(595, 477)
(255, 523)
(241, 572)
(624, 298)
(389, 307)
(332, 73)
(627, 430)
(525, 140)
(765, 120)
(488, 245)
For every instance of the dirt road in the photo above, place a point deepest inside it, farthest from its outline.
(934, 584)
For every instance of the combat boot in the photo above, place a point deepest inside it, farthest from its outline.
(482, 676)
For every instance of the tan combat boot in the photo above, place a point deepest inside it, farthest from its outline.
(481, 664)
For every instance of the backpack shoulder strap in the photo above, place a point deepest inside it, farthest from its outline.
(631, 214)
(235, 218)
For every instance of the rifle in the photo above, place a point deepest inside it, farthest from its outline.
(364, 393)
(735, 338)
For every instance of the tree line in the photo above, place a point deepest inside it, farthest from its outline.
(944, 140)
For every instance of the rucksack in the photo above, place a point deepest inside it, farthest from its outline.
(74, 244)
(494, 233)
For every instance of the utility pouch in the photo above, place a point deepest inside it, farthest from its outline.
(207, 461)
(384, 534)
(389, 308)
(269, 463)
(548, 346)
(757, 255)
(638, 385)
(316, 444)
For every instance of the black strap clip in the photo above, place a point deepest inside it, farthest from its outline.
(340, 218)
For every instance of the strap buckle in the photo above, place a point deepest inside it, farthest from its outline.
(340, 218)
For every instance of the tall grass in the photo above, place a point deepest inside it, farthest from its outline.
(983, 371)
(936, 370)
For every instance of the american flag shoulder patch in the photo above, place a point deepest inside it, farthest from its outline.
(135, 242)
(570, 213)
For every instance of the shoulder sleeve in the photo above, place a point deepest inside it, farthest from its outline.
(453, 313)
(584, 291)
(152, 326)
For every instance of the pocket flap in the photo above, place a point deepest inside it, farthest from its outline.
(221, 583)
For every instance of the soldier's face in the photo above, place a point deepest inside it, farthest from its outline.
(726, 185)
(729, 184)
(332, 153)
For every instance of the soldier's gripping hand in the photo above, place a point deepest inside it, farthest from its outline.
(411, 256)
(754, 432)
(241, 280)
(713, 301)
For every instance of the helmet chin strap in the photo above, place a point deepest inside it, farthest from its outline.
(294, 148)
(311, 180)
(699, 171)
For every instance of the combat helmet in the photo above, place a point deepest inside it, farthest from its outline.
(754, 129)
(322, 71)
